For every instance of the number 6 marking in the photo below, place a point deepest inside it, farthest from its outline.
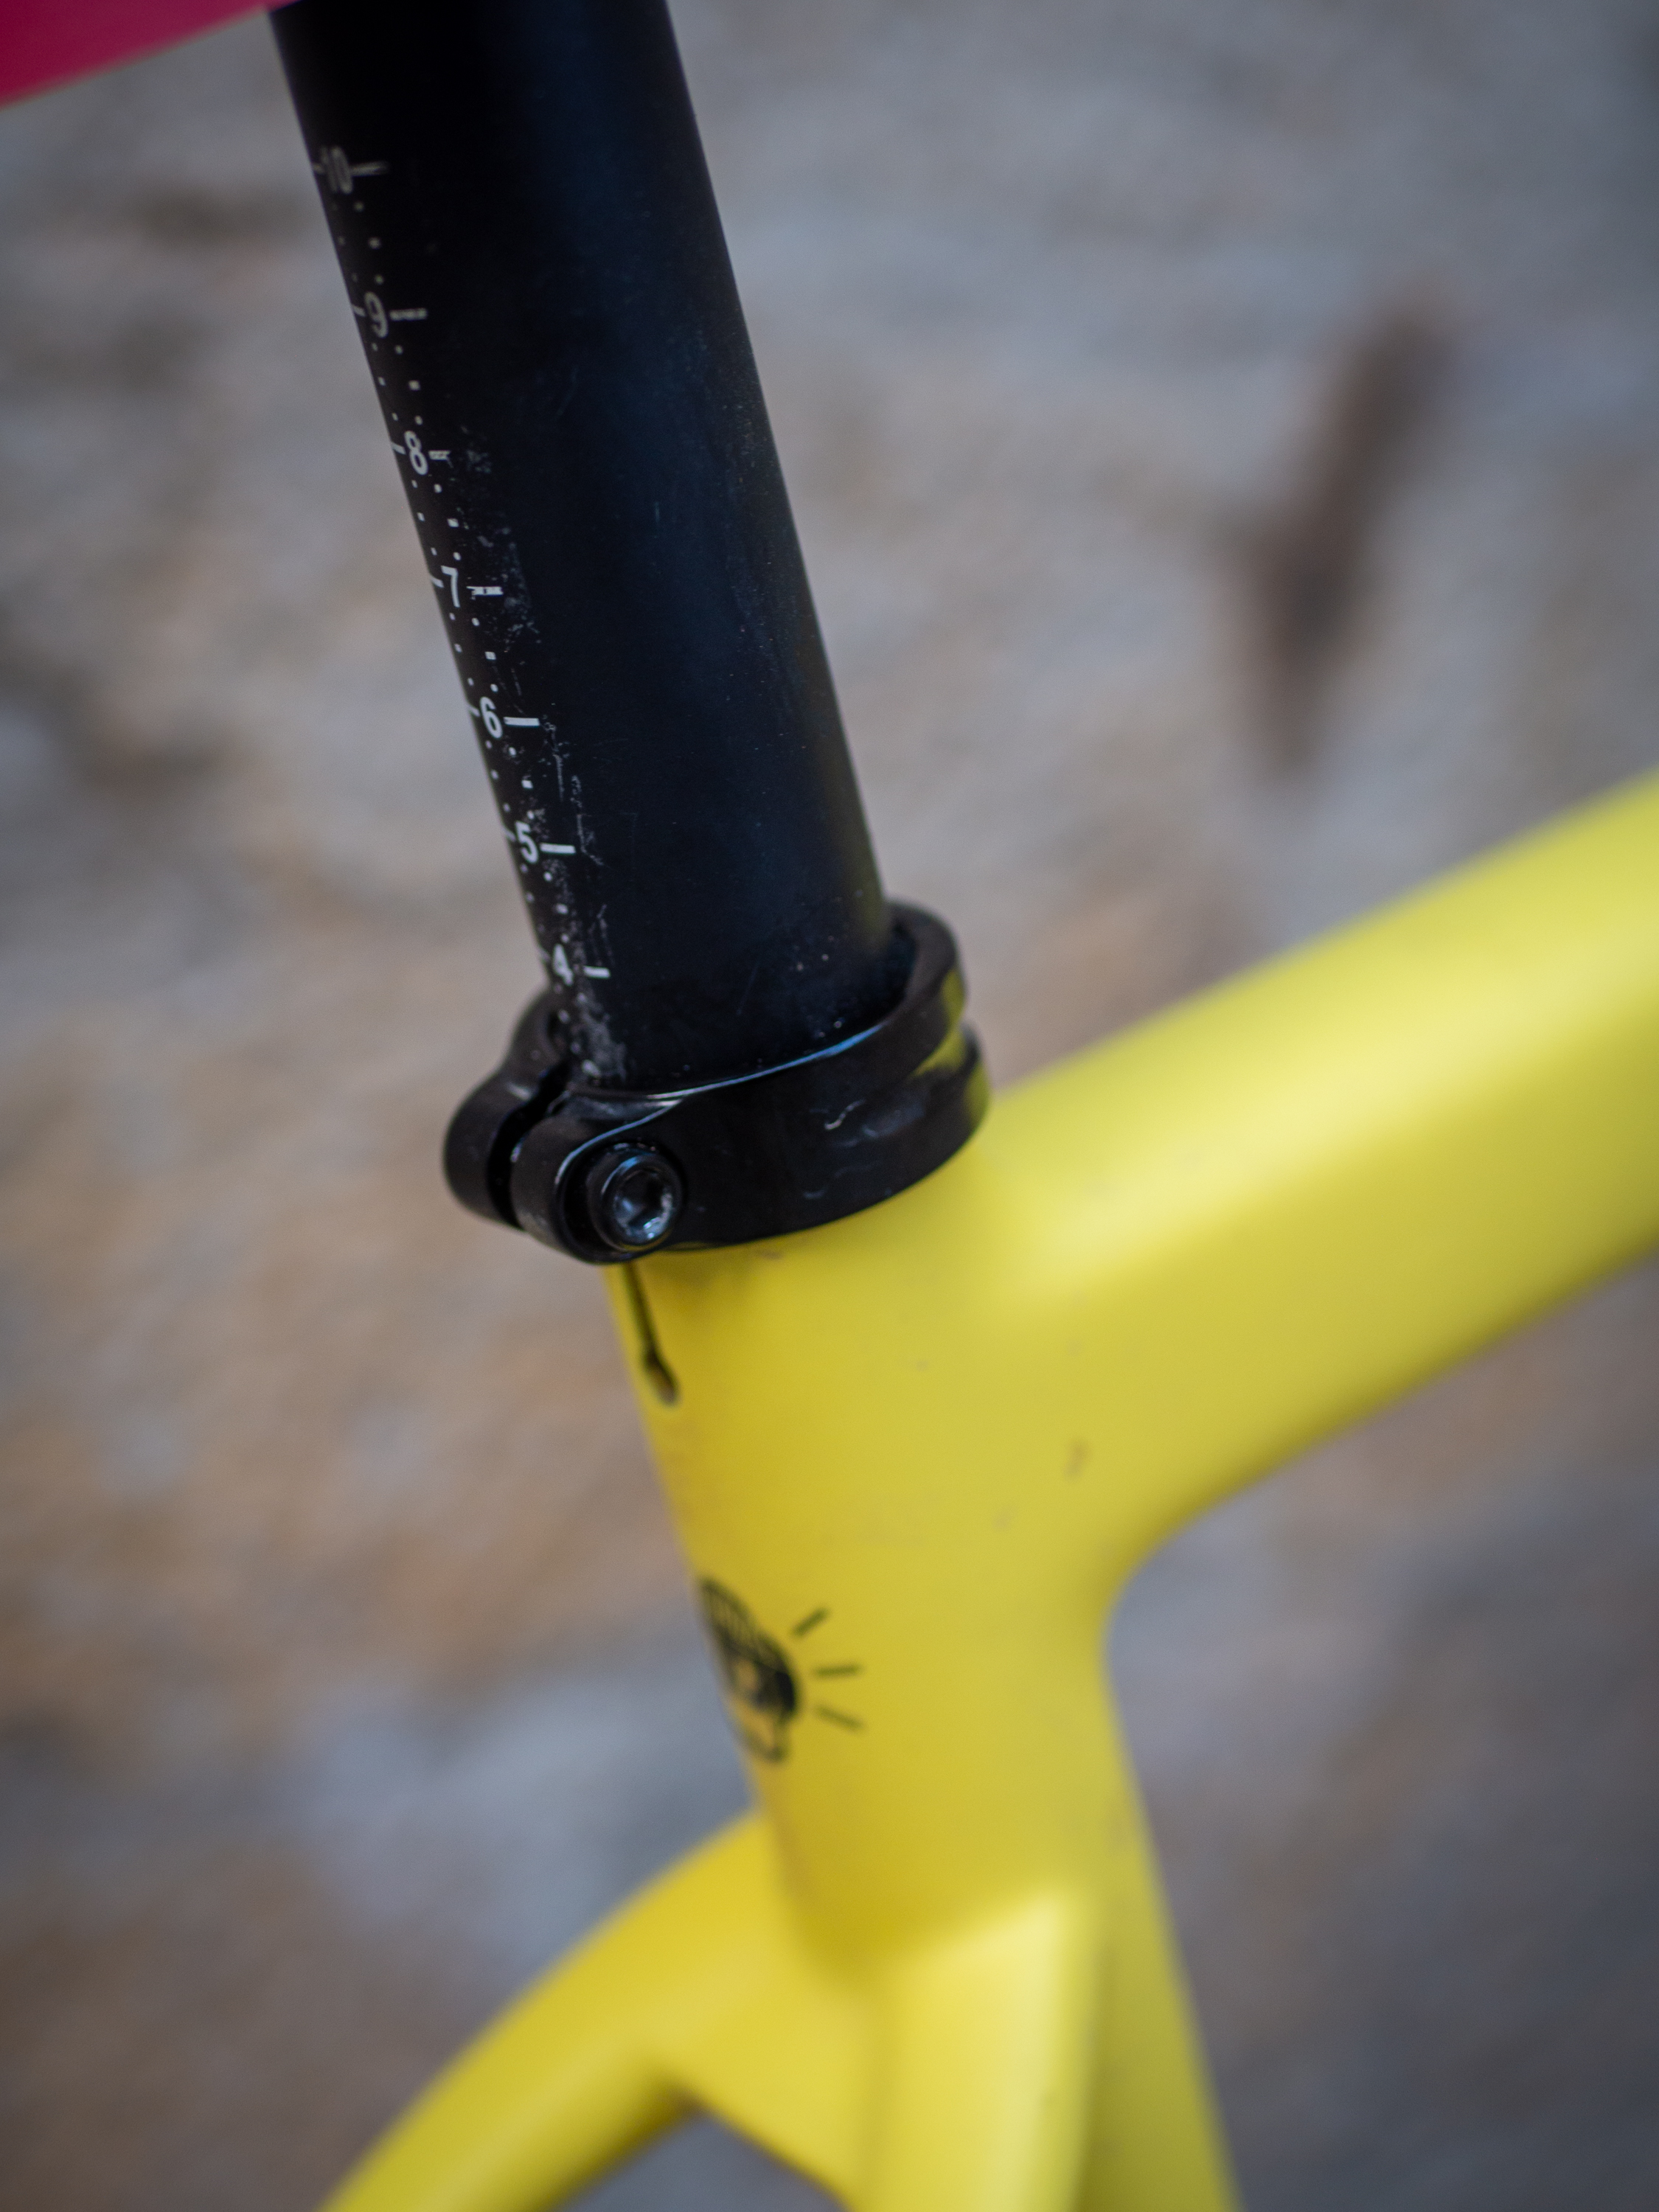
(492, 722)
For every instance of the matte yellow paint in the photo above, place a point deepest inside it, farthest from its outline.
(921, 1451)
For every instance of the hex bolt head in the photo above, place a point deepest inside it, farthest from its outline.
(635, 1194)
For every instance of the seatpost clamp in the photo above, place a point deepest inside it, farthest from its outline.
(607, 1174)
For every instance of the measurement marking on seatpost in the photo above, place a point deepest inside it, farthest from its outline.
(492, 631)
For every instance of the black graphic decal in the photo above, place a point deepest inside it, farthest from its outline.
(763, 1689)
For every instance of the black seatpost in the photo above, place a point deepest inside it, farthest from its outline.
(524, 217)
(525, 220)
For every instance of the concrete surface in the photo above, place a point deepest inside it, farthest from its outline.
(1226, 443)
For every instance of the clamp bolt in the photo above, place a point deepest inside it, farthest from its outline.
(635, 1194)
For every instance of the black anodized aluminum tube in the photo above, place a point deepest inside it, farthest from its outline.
(522, 212)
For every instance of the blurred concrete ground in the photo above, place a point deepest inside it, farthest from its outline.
(1227, 441)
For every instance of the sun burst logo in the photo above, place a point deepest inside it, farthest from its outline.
(763, 1684)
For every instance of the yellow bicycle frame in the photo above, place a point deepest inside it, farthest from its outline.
(913, 1457)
